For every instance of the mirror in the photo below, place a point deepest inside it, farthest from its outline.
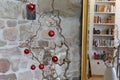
(103, 40)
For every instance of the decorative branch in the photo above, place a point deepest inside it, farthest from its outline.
(29, 42)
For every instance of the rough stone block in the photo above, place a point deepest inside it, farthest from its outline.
(11, 23)
(22, 22)
(9, 9)
(2, 25)
(10, 34)
(25, 32)
(2, 43)
(4, 65)
(43, 44)
(8, 77)
(25, 76)
(15, 64)
(8, 52)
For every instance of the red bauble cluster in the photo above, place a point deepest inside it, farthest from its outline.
(26, 51)
(33, 67)
(31, 6)
(51, 33)
(54, 59)
(41, 66)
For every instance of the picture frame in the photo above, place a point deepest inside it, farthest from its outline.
(84, 33)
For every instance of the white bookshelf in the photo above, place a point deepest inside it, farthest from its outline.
(104, 38)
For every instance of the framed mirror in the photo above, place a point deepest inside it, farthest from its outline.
(103, 40)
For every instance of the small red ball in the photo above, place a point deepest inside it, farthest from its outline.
(115, 47)
(103, 51)
(33, 67)
(94, 53)
(98, 62)
(113, 38)
(110, 61)
(26, 51)
(54, 59)
(31, 6)
(51, 33)
(41, 66)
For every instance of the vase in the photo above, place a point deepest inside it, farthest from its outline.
(110, 73)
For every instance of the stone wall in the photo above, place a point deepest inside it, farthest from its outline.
(15, 29)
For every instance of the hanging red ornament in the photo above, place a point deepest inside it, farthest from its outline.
(26, 51)
(31, 6)
(54, 59)
(98, 62)
(113, 38)
(103, 51)
(33, 67)
(51, 33)
(109, 61)
(115, 47)
(41, 66)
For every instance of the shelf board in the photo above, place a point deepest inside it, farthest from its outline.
(105, 1)
(104, 47)
(102, 35)
(109, 24)
(104, 12)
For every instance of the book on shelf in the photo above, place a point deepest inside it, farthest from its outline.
(105, 8)
(107, 19)
(103, 42)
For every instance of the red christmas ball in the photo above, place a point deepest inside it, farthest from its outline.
(98, 62)
(54, 59)
(33, 67)
(110, 61)
(41, 66)
(103, 51)
(26, 51)
(51, 33)
(31, 6)
(113, 38)
(115, 47)
(94, 53)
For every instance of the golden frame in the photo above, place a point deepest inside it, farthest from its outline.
(83, 53)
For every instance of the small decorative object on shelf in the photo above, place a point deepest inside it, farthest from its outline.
(106, 56)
